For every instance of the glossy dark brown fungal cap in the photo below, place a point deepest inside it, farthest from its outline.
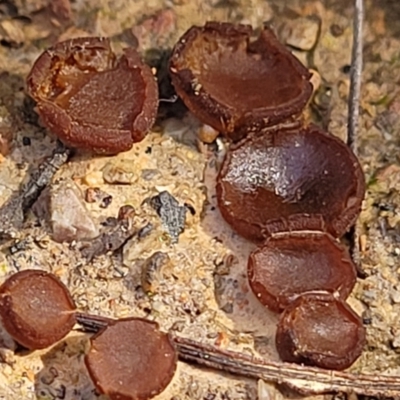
(36, 308)
(131, 360)
(290, 264)
(92, 100)
(236, 83)
(318, 329)
(290, 180)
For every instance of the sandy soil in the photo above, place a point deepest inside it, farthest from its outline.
(202, 293)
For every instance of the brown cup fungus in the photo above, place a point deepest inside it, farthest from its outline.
(320, 330)
(236, 83)
(92, 100)
(36, 308)
(131, 359)
(290, 180)
(290, 264)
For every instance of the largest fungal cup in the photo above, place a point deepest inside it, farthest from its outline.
(290, 180)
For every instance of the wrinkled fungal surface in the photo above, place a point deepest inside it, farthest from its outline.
(236, 83)
(36, 308)
(131, 359)
(319, 329)
(290, 264)
(92, 100)
(290, 180)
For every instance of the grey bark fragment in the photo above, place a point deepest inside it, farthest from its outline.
(44, 175)
(171, 213)
(110, 240)
(12, 213)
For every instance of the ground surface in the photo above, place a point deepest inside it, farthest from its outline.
(202, 293)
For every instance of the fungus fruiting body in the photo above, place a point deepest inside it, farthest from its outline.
(288, 265)
(290, 187)
(236, 83)
(36, 308)
(90, 99)
(288, 180)
(321, 330)
(131, 359)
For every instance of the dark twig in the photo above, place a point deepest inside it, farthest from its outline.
(91, 323)
(305, 380)
(43, 176)
(13, 211)
(111, 240)
(355, 76)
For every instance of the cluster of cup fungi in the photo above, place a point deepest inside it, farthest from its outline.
(288, 186)
(129, 358)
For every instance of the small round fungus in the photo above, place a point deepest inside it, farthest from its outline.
(290, 180)
(236, 83)
(131, 359)
(36, 308)
(320, 330)
(290, 264)
(92, 100)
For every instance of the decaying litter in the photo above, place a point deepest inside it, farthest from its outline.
(171, 213)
